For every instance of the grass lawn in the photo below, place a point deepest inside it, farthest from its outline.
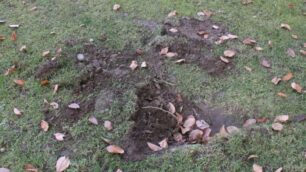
(249, 93)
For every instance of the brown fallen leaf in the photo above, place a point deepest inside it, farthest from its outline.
(23, 49)
(253, 157)
(74, 106)
(108, 125)
(116, 7)
(59, 136)
(10, 70)
(258, 48)
(285, 26)
(93, 120)
(133, 65)
(180, 61)
(249, 41)
(303, 52)
(30, 168)
(279, 170)
(114, 149)
(2, 38)
(62, 164)
(281, 94)
(195, 135)
(265, 63)
(249, 122)
(14, 36)
(143, 65)
(164, 51)
(17, 112)
(44, 82)
(171, 54)
(294, 36)
(172, 13)
(44, 125)
(281, 118)
(276, 80)
(246, 2)
(178, 137)
(164, 143)
(202, 124)
(277, 126)
(189, 122)
(262, 120)
(248, 68)
(296, 87)
(257, 168)
(179, 118)
(288, 76)
(154, 147)
(229, 53)
(46, 53)
(56, 86)
(19, 82)
(206, 135)
(203, 34)
(291, 52)
(223, 59)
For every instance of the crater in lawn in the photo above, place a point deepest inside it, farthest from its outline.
(189, 40)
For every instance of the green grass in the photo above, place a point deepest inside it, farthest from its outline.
(24, 142)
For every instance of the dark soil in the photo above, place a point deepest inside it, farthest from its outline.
(102, 68)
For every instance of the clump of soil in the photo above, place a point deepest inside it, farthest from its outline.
(46, 69)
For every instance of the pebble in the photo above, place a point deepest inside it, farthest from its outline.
(81, 57)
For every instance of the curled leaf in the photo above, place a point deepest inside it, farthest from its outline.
(249, 41)
(229, 53)
(189, 122)
(62, 164)
(164, 51)
(288, 76)
(116, 7)
(296, 87)
(195, 135)
(10, 70)
(225, 60)
(17, 112)
(114, 149)
(154, 147)
(46, 53)
(164, 143)
(59, 136)
(276, 80)
(93, 120)
(285, 26)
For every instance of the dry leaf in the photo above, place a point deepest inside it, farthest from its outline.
(215, 27)
(30, 168)
(270, 43)
(154, 147)
(262, 120)
(249, 122)
(281, 94)
(225, 60)
(258, 48)
(172, 13)
(206, 135)
(249, 41)
(164, 143)
(294, 36)
(44, 125)
(46, 53)
(277, 126)
(133, 65)
(232, 129)
(116, 7)
(195, 135)
(229, 53)
(55, 88)
(180, 61)
(93, 120)
(257, 168)
(143, 65)
(171, 54)
(189, 122)
(108, 125)
(285, 26)
(2, 38)
(291, 52)
(208, 13)
(17, 112)
(276, 80)
(171, 108)
(281, 118)
(114, 149)
(246, 2)
(248, 68)
(54, 105)
(19, 82)
(288, 76)
(44, 82)
(201, 124)
(173, 30)
(10, 70)
(164, 51)
(14, 36)
(62, 164)
(265, 63)
(252, 157)
(279, 170)
(296, 87)
(59, 136)
(178, 137)
(303, 52)
(23, 49)
(179, 118)
(223, 133)
(74, 106)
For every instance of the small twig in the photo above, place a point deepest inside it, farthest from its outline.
(152, 107)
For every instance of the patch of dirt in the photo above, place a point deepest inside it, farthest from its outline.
(153, 124)
(46, 69)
